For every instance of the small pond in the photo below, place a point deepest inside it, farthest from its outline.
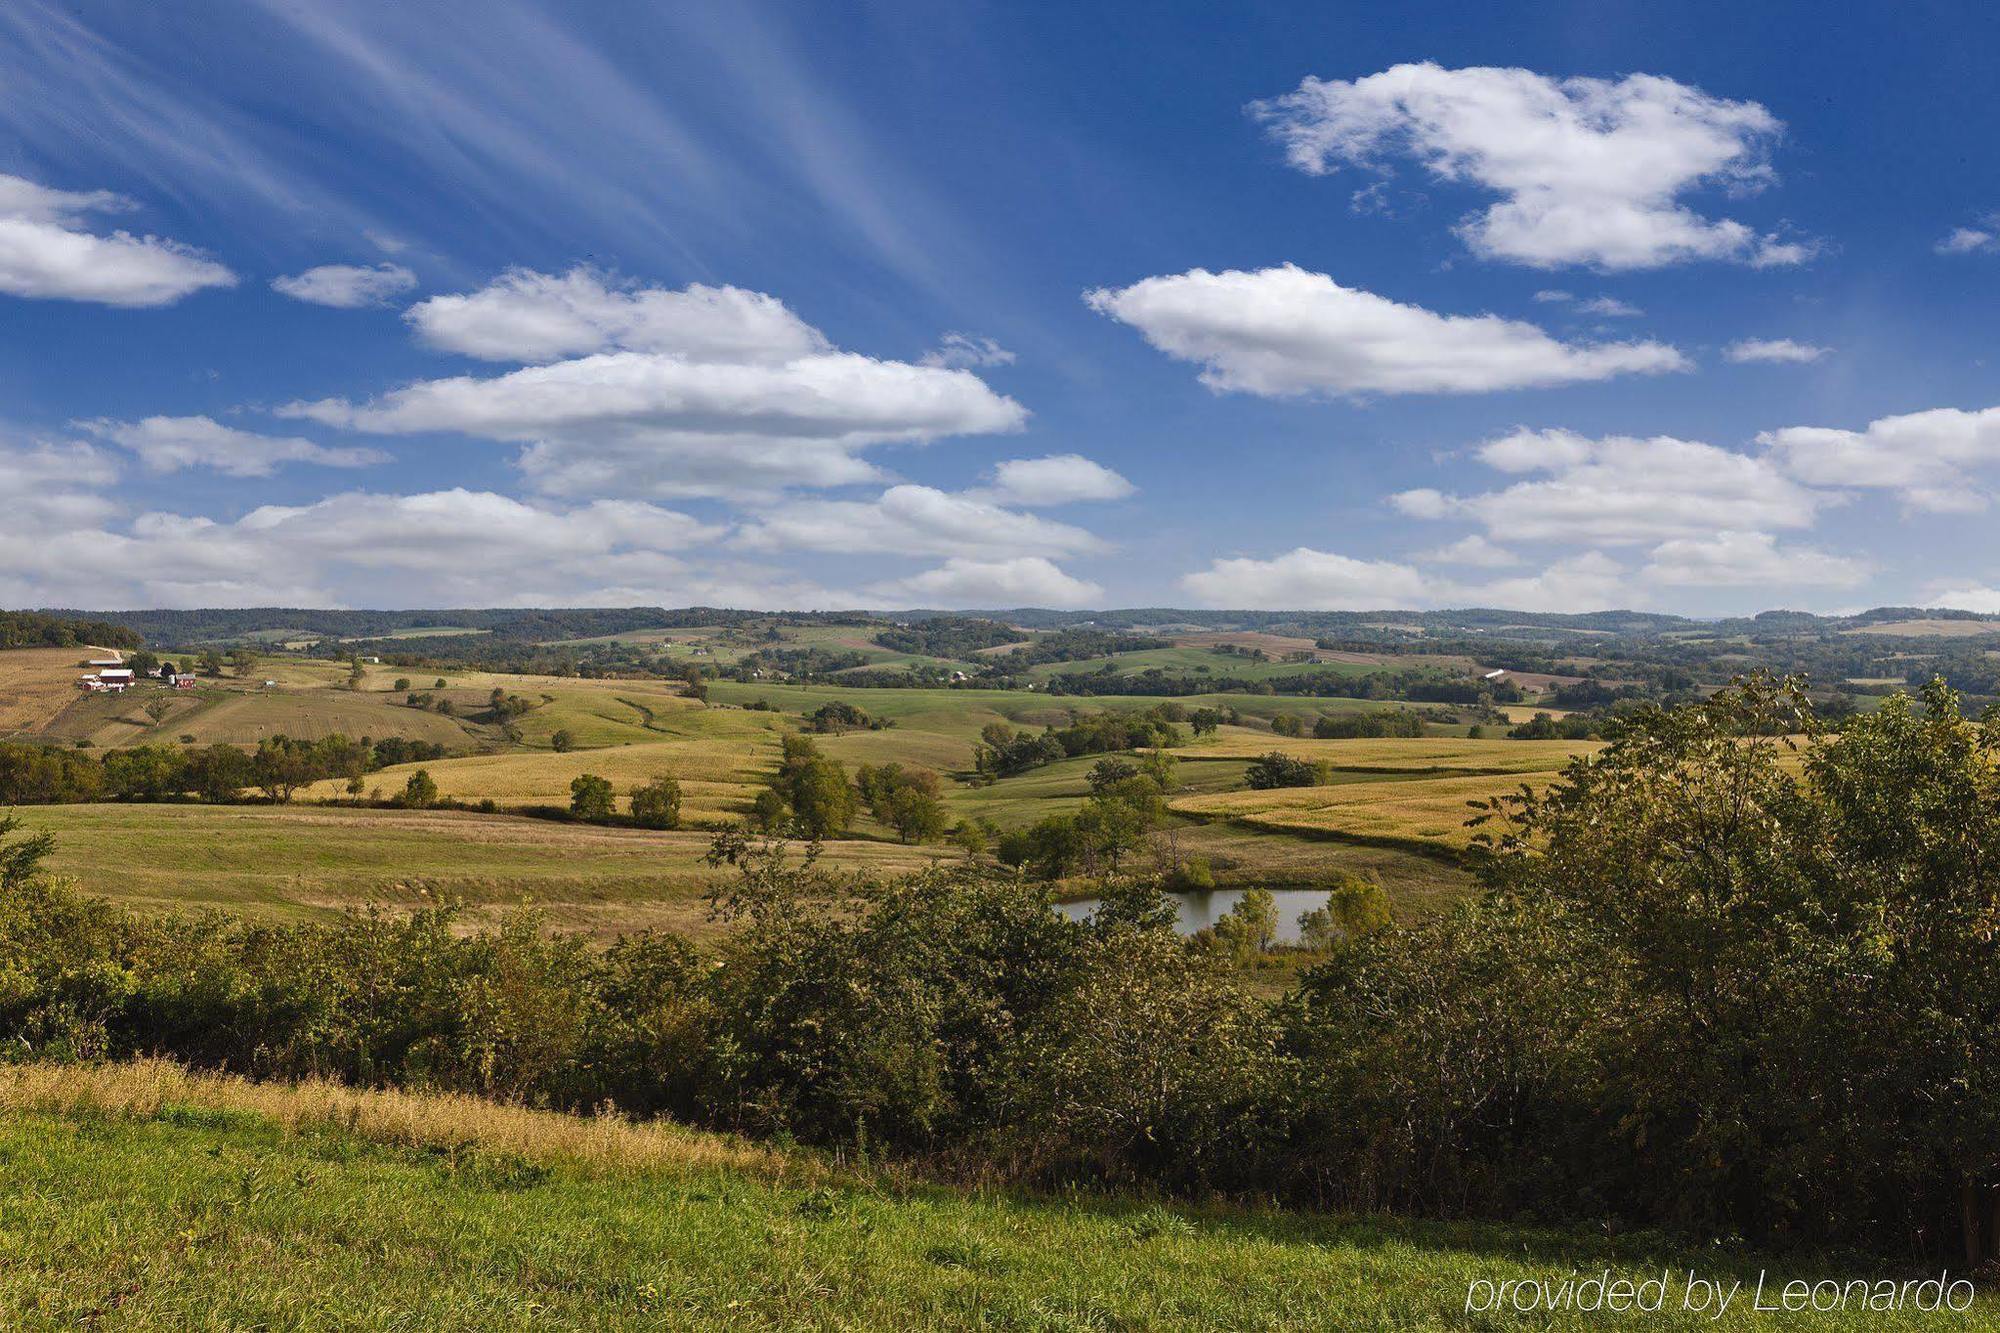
(1199, 910)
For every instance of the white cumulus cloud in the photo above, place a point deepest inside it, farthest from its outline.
(452, 548)
(347, 286)
(1472, 550)
(1281, 331)
(531, 317)
(1585, 581)
(1057, 479)
(1621, 490)
(1308, 580)
(1588, 171)
(1929, 459)
(1982, 600)
(46, 486)
(705, 391)
(47, 252)
(966, 584)
(170, 444)
(1311, 580)
(1749, 560)
(916, 520)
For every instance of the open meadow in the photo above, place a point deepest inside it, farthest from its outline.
(310, 861)
(145, 1197)
(665, 1226)
(318, 855)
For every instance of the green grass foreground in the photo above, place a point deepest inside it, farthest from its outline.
(141, 1197)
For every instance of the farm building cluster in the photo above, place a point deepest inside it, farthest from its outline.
(110, 675)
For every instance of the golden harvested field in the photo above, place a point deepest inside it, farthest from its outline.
(718, 772)
(1428, 813)
(1526, 712)
(1941, 629)
(244, 715)
(36, 684)
(290, 862)
(1395, 753)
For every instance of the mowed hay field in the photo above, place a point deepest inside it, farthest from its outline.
(145, 1197)
(245, 716)
(37, 684)
(719, 774)
(1426, 814)
(593, 712)
(1413, 793)
(1414, 754)
(297, 862)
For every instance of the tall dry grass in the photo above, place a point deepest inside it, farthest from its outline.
(143, 1089)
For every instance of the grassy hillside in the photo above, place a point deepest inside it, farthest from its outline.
(288, 862)
(142, 1197)
(240, 716)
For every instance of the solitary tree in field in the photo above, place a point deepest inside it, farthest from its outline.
(591, 797)
(243, 661)
(657, 804)
(420, 792)
(157, 709)
(918, 815)
(562, 742)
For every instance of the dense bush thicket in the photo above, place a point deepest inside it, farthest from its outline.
(1712, 984)
(1419, 685)
(1353, 726)
(1278, 769)
(947, 636)
(1003, 751)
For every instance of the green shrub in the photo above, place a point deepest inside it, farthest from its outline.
(1282, 770)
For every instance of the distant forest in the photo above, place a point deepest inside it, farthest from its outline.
(175, 629)
(36, 629)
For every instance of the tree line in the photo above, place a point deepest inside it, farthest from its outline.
(34, 629)
(276, 769)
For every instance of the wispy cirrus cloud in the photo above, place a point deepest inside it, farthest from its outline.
(1773, 351)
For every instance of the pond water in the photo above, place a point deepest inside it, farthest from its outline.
(1196, 911)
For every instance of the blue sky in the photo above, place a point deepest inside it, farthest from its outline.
(1564, 307)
